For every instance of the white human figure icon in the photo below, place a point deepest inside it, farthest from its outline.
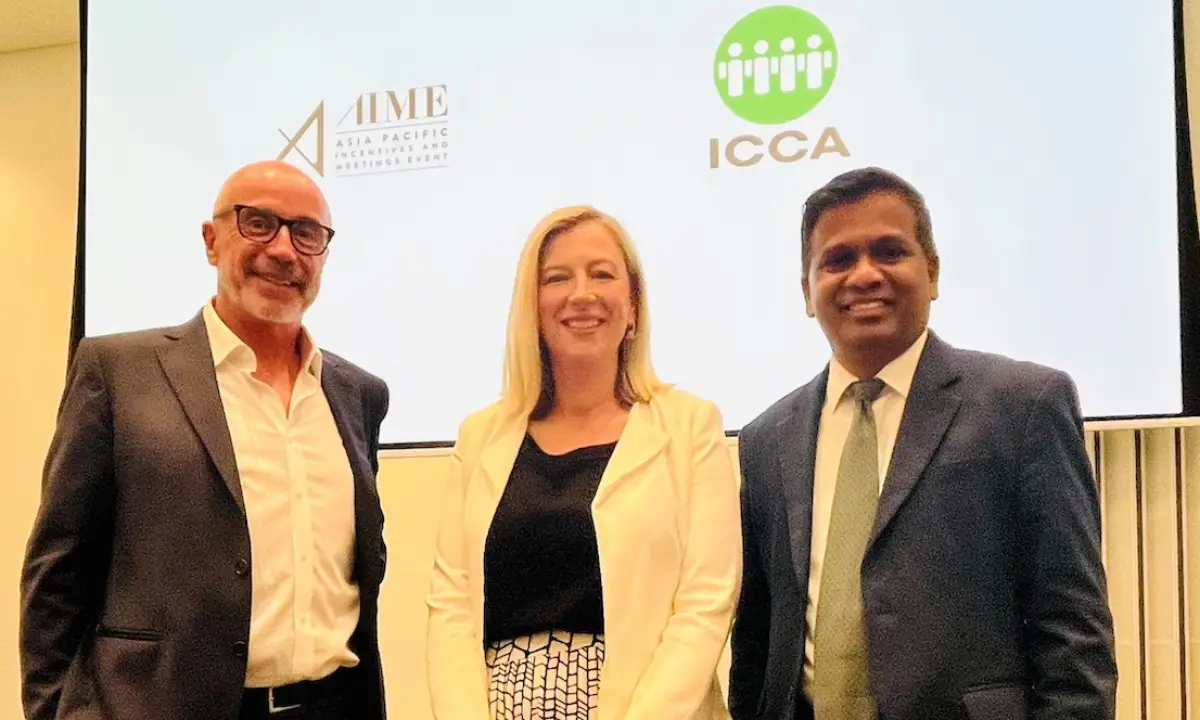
(816, 63)
(787, 65)
(734, 71)
(762, 69)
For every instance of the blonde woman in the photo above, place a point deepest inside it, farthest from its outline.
(589, 554)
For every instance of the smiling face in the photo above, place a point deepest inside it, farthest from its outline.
(869, 283)
(265, 281)
(585, 303)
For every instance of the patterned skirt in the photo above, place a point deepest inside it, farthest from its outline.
(548, 676)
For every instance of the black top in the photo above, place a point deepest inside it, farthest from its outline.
(541, 564)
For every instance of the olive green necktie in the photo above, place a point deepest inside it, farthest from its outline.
(840, 690)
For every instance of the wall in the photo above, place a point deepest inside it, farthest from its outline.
(39, 150)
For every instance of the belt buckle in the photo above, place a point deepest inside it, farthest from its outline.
(272, 708)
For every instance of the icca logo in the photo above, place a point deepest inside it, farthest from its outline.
(774, 66)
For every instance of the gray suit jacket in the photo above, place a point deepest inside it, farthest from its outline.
(136, 585)
(983, 587)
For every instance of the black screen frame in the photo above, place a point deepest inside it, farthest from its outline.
(1188, 230)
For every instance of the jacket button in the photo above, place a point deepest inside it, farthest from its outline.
(239, 648)
(241, 567)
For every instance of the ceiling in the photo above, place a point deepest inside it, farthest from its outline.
(26, 24)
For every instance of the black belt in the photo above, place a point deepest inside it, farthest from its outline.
(296, 696)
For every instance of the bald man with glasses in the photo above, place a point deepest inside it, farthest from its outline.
(210, 539)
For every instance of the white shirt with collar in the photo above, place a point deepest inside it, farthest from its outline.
(298, 490)
(837, 416)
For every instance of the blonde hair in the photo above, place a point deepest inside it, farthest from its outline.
(528, 379)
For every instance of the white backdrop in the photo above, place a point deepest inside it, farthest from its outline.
(1042, 135)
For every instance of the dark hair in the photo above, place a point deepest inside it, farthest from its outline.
(853, 186)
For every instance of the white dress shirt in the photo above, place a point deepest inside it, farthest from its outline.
(298, 490)
(837, 416)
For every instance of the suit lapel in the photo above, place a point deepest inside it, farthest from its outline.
(345, 404)
(932, 404)
(640, 441)
(341, 395)
(188, 365)
(500, 455)
(798, 440)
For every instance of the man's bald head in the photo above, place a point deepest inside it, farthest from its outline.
(263, 277)
(276, 185)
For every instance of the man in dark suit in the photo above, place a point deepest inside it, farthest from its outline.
(210, 538)
(921, 524)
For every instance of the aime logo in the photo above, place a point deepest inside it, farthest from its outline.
(775, 66)
(380, 132)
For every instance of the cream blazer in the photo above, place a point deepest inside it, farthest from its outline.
(669, 532)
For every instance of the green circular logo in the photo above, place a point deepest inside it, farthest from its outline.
(775, 65)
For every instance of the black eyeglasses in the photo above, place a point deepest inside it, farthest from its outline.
(309, 237)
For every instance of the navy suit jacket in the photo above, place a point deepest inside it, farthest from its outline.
(983, 587)
(135, 592)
